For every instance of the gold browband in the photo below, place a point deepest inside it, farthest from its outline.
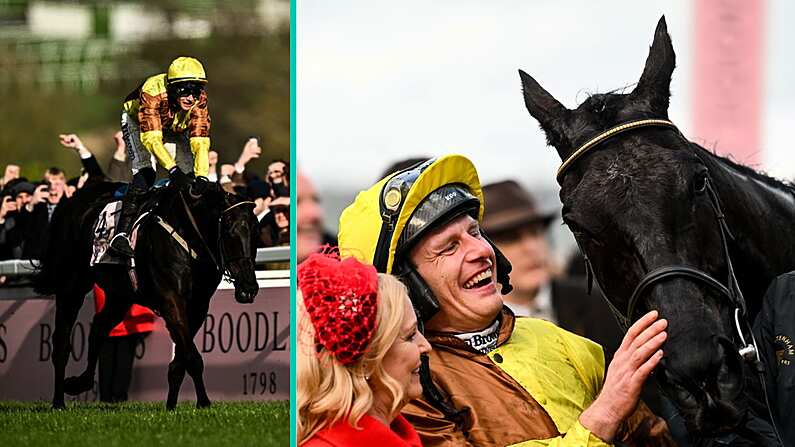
(613, 131)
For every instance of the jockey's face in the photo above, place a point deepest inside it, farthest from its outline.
(460, 267)
(186, 102)
(187, 94)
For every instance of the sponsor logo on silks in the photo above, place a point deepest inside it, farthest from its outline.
(483, 344)
(785, 350)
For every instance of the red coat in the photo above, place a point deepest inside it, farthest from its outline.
(139, 319)
(371, 432)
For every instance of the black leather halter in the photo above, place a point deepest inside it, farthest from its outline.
(731, 291)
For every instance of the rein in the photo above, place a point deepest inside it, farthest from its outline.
(220, 266)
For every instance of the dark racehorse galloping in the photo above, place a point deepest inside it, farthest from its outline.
(668, 225)
(218, 227)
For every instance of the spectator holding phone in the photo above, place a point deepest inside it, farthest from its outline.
(279, 178)
(275, 226)
(10, 241)
(11, 173)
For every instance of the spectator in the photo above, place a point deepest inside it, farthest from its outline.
(212, 159)
(356, 363)
(519, 229)
(119, 169)
(260, 193)
(56, 178)
(251, 150)
(11, 173)
(309, 219)
(91, 167)
(10, 234)
(279, 178)
(275, 226)
(22, 192)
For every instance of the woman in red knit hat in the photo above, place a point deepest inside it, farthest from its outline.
(358, 355)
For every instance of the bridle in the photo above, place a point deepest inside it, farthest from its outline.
(748, 349)
(221, 252)
(731, 291)
(220, 265)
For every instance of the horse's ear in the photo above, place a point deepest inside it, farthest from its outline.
(654, 86)
(547, 110)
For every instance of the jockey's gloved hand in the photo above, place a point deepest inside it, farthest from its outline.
(199, 185)
(178, 178)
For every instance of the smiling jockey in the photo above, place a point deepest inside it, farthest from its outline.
(492, 379)
(167, 108)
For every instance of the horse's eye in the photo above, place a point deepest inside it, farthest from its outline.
(700, 183)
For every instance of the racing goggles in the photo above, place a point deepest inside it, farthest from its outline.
(188, 89)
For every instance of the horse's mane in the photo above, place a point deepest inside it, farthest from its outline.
(761, 176)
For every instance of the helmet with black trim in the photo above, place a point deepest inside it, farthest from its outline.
(387, 220)
(185, 69)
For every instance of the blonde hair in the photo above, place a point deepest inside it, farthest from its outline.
(328, 391)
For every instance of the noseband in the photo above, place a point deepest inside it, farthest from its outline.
(731, 291)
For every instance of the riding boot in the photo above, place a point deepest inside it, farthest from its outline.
(129, 211)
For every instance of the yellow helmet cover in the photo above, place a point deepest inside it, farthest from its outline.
(389, 204)
(184, 69)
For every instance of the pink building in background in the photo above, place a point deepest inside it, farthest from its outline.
(728, 78)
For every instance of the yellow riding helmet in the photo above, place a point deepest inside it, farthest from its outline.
(186, 69)
(395, 212)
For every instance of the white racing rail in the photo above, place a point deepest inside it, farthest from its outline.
(20, 268)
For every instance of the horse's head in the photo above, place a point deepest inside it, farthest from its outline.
(237, 244)
(641, 202)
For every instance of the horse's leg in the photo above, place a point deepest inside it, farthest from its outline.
(176, 375)
(113, 313)
(195, 366)
(175, 316)
(195, 322)
(67, 306)
(176, 369)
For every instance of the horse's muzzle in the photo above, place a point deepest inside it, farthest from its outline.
(246, 295)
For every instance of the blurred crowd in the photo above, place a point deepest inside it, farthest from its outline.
(28, 201)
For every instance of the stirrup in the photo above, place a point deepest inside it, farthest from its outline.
(121, 245)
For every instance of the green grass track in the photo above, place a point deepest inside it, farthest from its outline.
(138, 424)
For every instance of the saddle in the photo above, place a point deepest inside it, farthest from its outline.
(105, 229)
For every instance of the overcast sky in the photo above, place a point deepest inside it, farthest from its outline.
(379, 81)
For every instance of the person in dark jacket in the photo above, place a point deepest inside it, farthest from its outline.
(774, 330)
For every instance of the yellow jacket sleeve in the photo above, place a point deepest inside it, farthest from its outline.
(153, 142)
(200, 146)
(576, 436)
